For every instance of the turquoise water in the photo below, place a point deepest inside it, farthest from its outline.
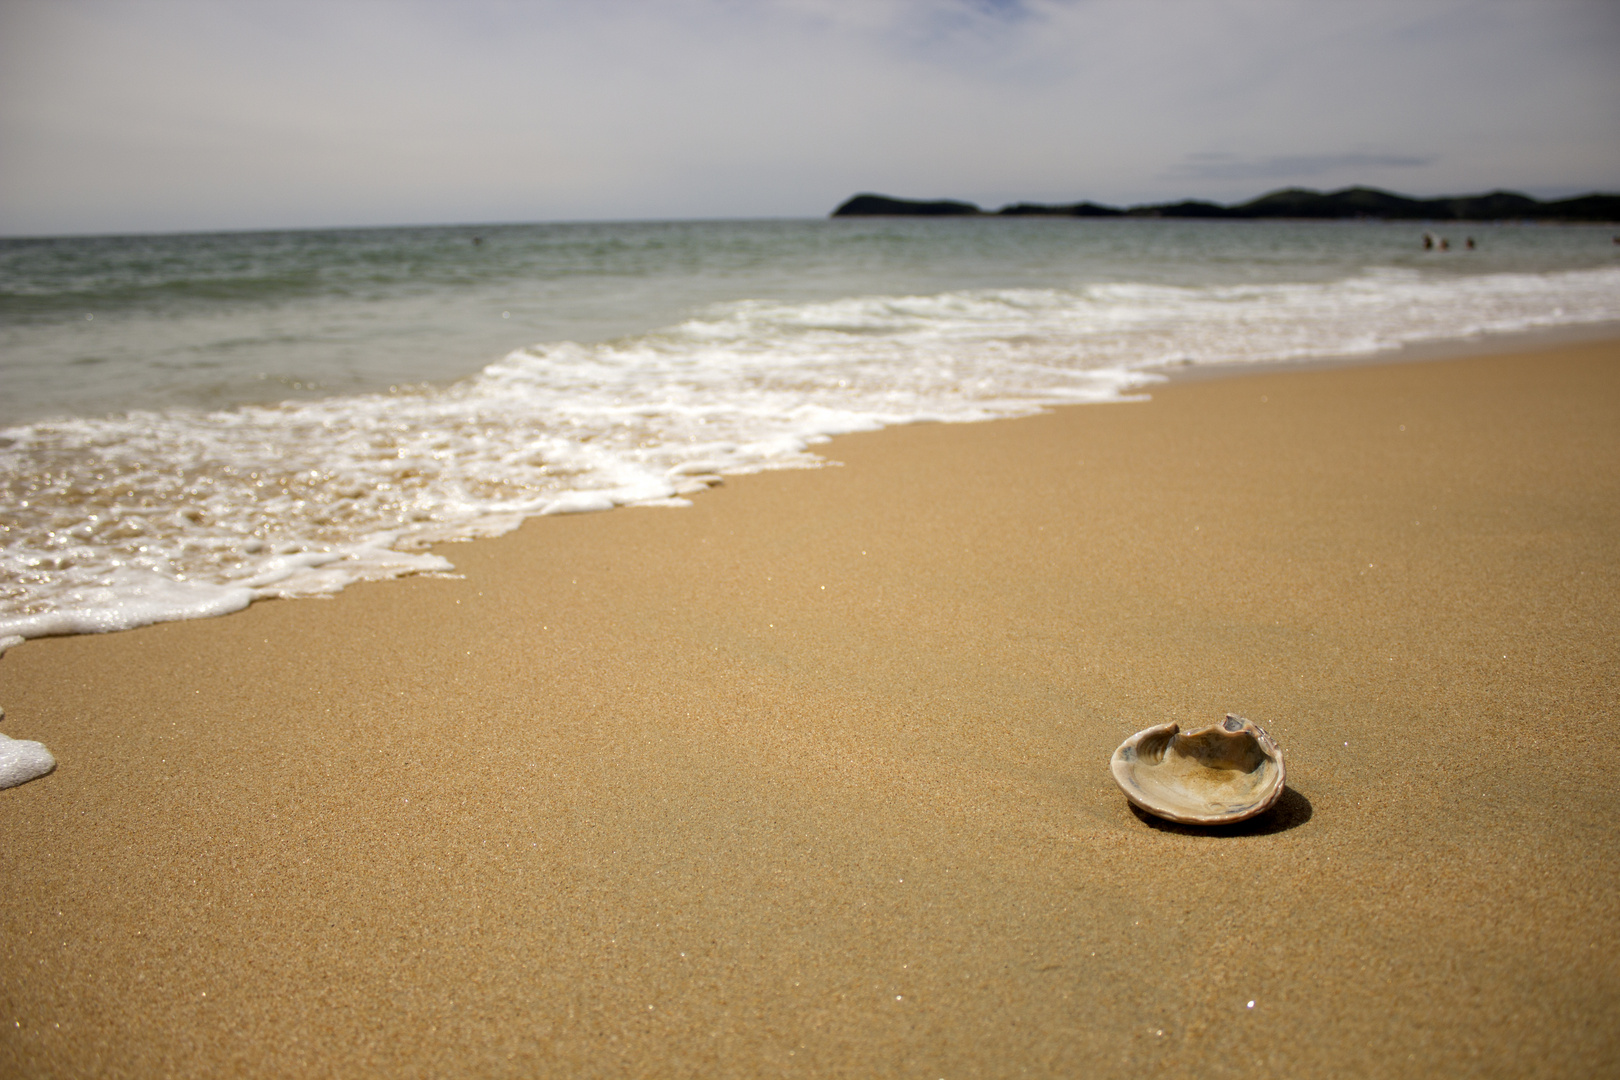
(194, 421)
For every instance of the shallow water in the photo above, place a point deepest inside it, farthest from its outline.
(196, 421)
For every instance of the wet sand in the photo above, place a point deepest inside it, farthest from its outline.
(810, 778)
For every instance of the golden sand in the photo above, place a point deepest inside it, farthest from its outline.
(811, 778)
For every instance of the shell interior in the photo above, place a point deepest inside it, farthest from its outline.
(1223, 773)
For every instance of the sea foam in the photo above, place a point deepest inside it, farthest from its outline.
(22, 760)
(116, 522)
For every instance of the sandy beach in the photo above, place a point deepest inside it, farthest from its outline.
(810, 778)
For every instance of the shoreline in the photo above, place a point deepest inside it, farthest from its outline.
(1491, 344)
(811, 777)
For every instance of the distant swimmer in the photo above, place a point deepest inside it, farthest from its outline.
(1445, 245)
(1428, 241)
(1469, 243)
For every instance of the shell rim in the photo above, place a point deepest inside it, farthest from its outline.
(1268, 745)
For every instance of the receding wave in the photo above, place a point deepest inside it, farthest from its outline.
(116, 522)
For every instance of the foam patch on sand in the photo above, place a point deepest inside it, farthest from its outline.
(22, 760)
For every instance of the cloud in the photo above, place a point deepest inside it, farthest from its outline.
(1223, 166)
(160, 114)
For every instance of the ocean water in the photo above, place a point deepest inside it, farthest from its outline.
(188, 423)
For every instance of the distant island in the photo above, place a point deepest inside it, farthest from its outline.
(1352, 202)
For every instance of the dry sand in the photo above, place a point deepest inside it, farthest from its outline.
(810, 779)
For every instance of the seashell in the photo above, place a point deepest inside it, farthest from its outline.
(1220, 774)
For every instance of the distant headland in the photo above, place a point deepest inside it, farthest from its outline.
(1352, 202)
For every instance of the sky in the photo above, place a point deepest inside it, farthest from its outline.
(233, 114)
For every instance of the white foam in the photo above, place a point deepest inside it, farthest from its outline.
(22, 760)
(123, 521)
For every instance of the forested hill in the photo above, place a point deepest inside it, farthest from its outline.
(1353, 202)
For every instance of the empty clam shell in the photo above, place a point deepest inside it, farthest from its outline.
(1223, 773)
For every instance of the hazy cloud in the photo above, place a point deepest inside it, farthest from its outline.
(173, 114)
(1219, 166)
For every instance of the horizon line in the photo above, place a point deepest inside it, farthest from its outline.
(508, 223)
